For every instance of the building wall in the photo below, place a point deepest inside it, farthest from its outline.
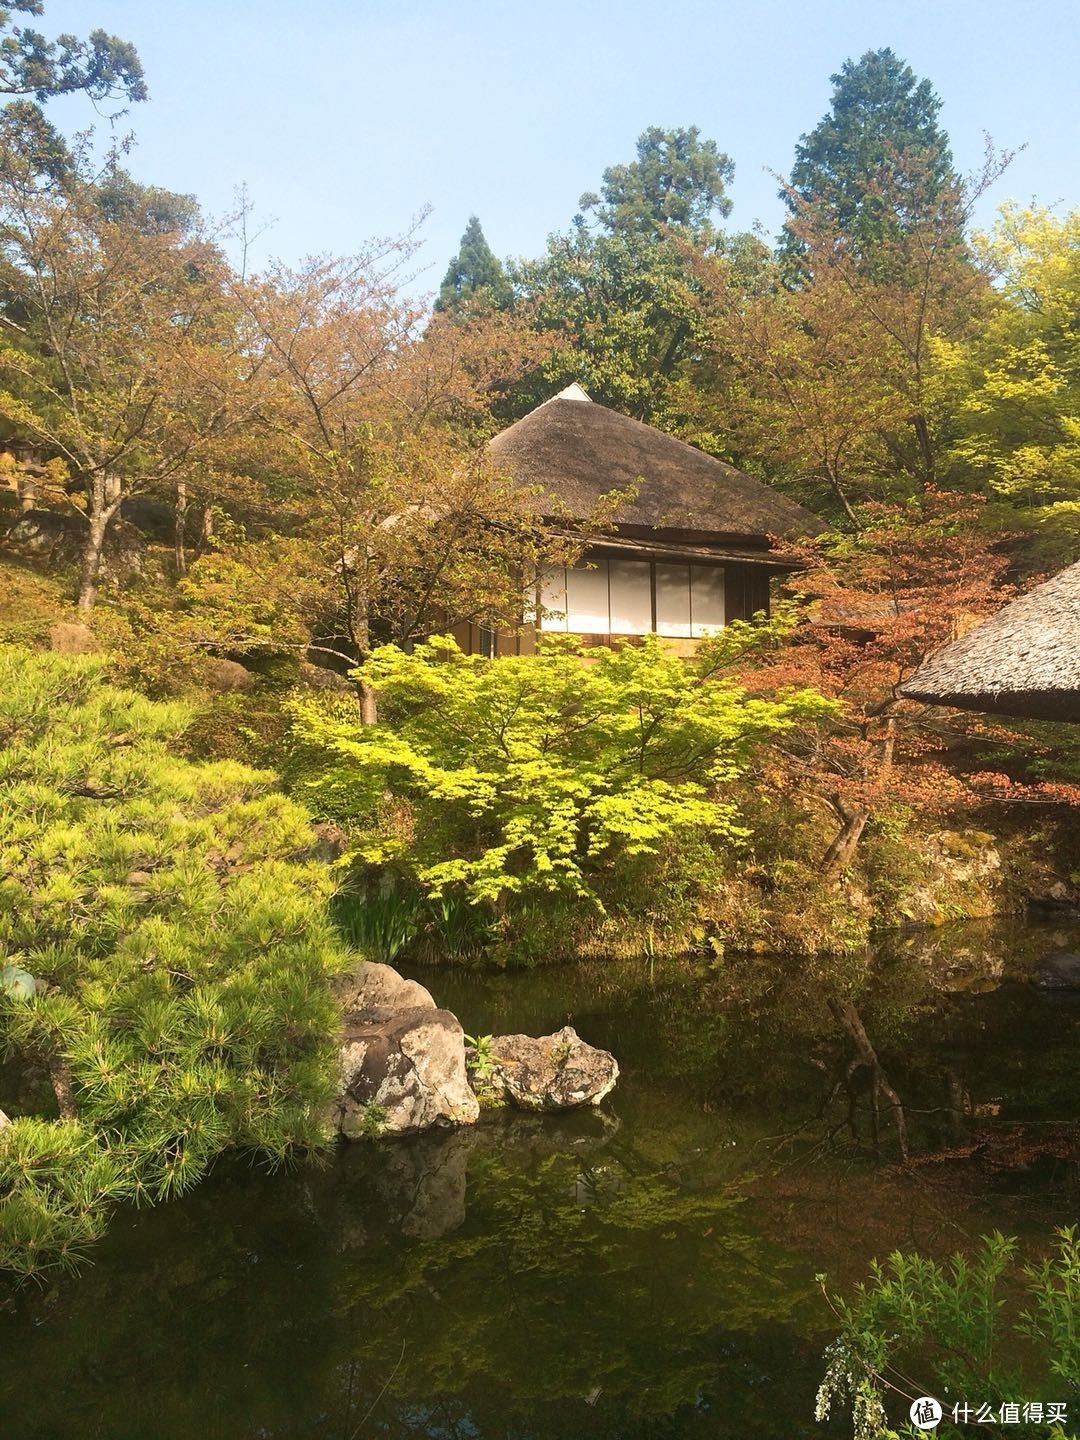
(746, 593)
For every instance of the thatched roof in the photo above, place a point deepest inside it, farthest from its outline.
(1024, 661)
(576, 450)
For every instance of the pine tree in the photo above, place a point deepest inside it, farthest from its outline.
(475, 277)
(678, 180)
(168, 955)
(878, 160)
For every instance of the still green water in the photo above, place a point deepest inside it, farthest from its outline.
(646, 1270)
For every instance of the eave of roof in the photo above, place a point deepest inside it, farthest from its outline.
(659, 549)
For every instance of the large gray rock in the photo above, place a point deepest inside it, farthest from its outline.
(551, 1072)
(371, 986)
(48, 535)
(403, 1071)
(57, 540)
(1060, 970)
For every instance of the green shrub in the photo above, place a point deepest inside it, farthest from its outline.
(548, 776)
(975, 1331)
(179, 937)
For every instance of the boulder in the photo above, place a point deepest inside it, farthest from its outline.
(57, 540)
(331, 842)
(225, 675)
(552, 1072)
(4, 1122)
(47, 535)
(1060, 970)
(403, 1071)
(69, 637)
(1056, 900)
(320, 677)
(371, 986)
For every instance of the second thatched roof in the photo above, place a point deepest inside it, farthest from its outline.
(1023, 661)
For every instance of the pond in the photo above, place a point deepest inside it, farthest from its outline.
(645, 1270)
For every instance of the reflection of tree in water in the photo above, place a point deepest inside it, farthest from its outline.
(866, 1057)
(526, 1279)
(935, 1044)
(642, 1272)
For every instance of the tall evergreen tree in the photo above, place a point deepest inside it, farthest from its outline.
(678, 179)
(621, 297)
(475, 276)
(879, 159)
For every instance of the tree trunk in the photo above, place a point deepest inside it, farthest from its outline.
(369, 706)
(60, 1075)
(104, 497)
(840, 852)
(841, 495)
(91, 561)
(360, 635)
(926, 449)
(181, 527)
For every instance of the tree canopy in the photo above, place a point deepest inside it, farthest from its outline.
(475, 275)
(102, 66)
(173, 920)
(678, 179)
(882, 122)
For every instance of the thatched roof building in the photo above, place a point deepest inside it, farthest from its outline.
(690, 549)
(576, 450)
(1023, 661)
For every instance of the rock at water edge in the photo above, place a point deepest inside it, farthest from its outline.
(402, 1072)
(551, 1072)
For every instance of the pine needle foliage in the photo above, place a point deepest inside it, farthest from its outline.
(176, 926)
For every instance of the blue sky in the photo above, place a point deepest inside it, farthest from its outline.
(345, 118)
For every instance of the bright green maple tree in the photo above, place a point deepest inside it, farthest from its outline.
(543, 774)
(173, 918)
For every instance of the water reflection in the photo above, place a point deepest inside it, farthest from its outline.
(642, 1271)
